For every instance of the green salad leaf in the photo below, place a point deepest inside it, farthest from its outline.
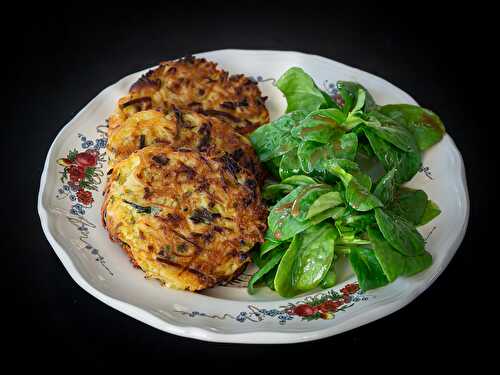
(300, 91)
(289, 165)
(307, 260)
(359, 197)
(367, 268)
(386, 187)
(425, 125)
(270, 243)
(273, 166)
(399, 232)
(431, 211)
(416, 264)
(288, 217)
(391, 131)
(299, 180)
(357, 187)
(266, 265)
(346, 146)
(331, 213)
(311, 155)
(355, 222)
(324, 202)
(409, 204)
(275, 191)
(330, 279)
(406, 164)
(351, 90)
(391, 262)
(275, 139)
(321, 126)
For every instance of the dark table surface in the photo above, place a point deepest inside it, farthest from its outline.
(60, 61)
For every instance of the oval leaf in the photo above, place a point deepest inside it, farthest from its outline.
(352, 89)
(321, 126)
(400, 233)
(406, 164)
(386, 187)
(392, 132)
(360, 198)
(282, 224)
(431, 211)
(273, 259)
(306, 261)
(300, 91)
(409, 204)
(425, 125)
(275, 139)
(367, 268)
(324, 202)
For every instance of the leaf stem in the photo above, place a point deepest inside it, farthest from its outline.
(355, 241)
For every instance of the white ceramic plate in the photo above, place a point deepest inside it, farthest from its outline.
(229, 314)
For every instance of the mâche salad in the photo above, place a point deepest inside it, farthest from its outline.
(338, 164)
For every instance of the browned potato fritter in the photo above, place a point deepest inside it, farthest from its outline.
(196, 84)
(184, 217)
(182, 129)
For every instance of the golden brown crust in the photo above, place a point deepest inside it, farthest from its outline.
(185, 218)
(182, 129)
(197, 85)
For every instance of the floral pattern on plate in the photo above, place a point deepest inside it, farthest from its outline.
(81, 176)
(319, 306)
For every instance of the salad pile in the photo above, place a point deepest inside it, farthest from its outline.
(338, 163)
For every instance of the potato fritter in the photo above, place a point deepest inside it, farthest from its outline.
(182, 129)
(184, 217)
(196, 84)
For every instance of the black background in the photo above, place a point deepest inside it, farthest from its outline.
(58, 61)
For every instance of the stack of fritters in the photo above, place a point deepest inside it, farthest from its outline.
(183, 193)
